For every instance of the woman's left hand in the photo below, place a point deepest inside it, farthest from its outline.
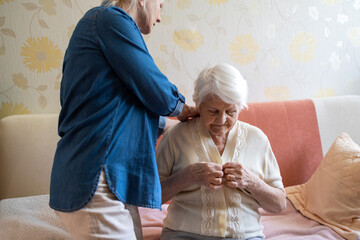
(238, 177)
(271, 199)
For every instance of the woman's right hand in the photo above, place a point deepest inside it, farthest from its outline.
(206, 173)
(202, 173)
(188, 112)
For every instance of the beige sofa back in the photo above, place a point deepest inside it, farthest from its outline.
(27, 147)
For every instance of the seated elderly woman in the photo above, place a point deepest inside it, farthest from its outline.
(218, 171)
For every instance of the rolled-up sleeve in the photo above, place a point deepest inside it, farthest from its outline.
(162, 119)
(178, 108)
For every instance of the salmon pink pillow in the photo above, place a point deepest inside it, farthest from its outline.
(332, 195)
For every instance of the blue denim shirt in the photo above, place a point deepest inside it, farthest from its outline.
(112, 95)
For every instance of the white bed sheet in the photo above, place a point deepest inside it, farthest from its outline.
(32, 218)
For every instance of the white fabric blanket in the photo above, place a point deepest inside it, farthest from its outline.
(30, 218)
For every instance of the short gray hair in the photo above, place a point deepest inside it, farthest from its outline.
(223, 80)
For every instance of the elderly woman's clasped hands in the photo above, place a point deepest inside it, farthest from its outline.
(214, 175)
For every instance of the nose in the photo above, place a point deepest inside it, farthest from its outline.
(158, 20)
(222, 118)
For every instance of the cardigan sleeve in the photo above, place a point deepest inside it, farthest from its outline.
(273, 176)
(165, 156)
(124, 48)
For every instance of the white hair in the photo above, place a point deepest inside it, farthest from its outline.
(133, 4)
(223, 80)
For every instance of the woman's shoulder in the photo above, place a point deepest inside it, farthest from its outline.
(182, 130)
(115, 23)
(179, 133)
(252, 130)
(108, 16)
(184, 127)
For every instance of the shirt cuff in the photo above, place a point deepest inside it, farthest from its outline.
(178, 109)
(162, 124)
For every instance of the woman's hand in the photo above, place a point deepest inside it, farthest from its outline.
(206, 173)
(271, 199)
(188, 112)
(238, 177)
(202, 173)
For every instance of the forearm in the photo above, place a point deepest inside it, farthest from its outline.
(270, 199)
(174, 184)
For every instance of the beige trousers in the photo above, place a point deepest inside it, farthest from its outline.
(104, 217)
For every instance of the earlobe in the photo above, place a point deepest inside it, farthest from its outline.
(141, 3)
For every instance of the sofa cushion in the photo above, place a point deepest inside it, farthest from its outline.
(332, 194)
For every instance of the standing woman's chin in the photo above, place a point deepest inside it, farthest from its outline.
(146, 30)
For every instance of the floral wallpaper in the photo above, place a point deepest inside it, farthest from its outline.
(285, 49)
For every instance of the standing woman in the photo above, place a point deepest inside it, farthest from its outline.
(112, 96)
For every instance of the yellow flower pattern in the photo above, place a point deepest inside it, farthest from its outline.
(277, 93)
(166, 19)
(5, 1)
(275, 49)
(48, 6)
(244, 49)
(216, 2)
(303, 46)
(9, 108)
(183, 4)
(327, 92)
(41, 55)
(20, 81)
(353, 35)
(188, 40)
(330, 2)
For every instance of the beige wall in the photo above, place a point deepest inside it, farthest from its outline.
(286, 49)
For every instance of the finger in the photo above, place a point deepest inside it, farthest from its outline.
(218, 174)
(231, 184)
(228, 165)
(232, 165)
(216, 181)
(230, 177)
(228, 171)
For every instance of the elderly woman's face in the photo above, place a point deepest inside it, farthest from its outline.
(218, 116)
(153, 8)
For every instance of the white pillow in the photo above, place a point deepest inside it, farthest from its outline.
(332, 195)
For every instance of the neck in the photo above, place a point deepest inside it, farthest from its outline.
(220, 142)
(129, 9)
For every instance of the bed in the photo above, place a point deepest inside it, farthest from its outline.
(315, 142)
